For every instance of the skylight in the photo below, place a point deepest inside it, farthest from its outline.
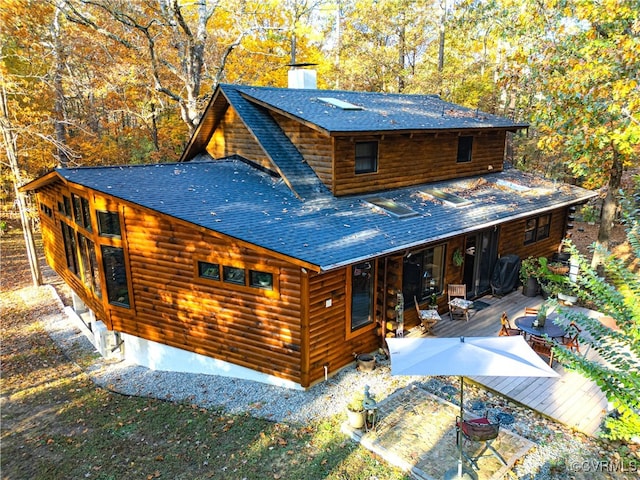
(392, 207)
(447, 198)
(513, 186)
(340, 103)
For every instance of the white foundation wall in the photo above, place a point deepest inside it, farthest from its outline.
(157, 356)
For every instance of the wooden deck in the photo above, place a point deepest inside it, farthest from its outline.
(570, 399)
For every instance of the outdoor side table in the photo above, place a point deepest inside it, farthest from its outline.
(429, 318)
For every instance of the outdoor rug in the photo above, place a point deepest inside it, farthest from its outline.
(479, 305)
(416, 432)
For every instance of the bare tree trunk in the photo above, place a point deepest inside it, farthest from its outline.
(10, 145)
(442, 37)
(60, 116)
(609, 209)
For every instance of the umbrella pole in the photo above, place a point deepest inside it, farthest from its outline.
(458, 431)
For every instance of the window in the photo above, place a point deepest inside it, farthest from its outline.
(423, 274)
(366, 157)
(46, 210)
(108, 224)
(69, 239)
(209, 270)
(115, 275)
(81, 211)
(261, 279)
(537, 229)
(362, 276)
(64, 207)
(233, 275)
(465, 145)
(245, 276)
(89, 264)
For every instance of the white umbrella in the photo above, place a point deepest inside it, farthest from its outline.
(508, 356)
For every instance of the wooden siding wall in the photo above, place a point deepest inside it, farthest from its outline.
(173, 306)
(512, 237)
(53, 244)
(233, 138)
(327, 326)
(316, 148)
(405, 160)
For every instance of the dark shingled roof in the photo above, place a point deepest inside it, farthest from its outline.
(235, 199)
(380, 112)
(285, 156)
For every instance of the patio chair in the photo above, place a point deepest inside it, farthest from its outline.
(479, 430)
(570, 340)
(457, 300)
(506, 330)
(542, 347)
(428, 318)
(530, 311)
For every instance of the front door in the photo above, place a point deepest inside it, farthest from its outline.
(481, 253)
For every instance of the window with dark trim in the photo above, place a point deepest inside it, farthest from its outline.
(366, 157)
(537, 228)
(209, 270)
(115, 273)
(362, 297)
(465, 145)
(81, 212)
(423, 274)
(46, 210)
(246, 276)
(69, 240)
(262, 280)
(64, 207)
(108, 224)
(233, 275)
(89, 264)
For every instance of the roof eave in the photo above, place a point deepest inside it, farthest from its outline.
(463, 231)
(43, 181)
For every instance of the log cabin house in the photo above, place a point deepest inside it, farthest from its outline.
(276, 247)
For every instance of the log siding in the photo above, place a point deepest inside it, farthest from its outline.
(405, 160)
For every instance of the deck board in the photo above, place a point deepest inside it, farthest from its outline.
(571, 399)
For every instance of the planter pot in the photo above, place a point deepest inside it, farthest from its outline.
(366, 362)
(356, 419)
(530, 289)
(567, 299)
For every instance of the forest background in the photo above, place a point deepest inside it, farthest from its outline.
(119, 82)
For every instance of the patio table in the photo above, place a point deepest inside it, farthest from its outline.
(550, 328)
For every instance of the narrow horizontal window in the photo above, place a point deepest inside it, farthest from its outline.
(209, 270)
(261, 279)
(233, 275)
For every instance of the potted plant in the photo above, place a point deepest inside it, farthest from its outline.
(458, 258)
(529, 268)
(541, 317)
(433, 301)
(566, 293)
(355, 411)
(550, 283)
